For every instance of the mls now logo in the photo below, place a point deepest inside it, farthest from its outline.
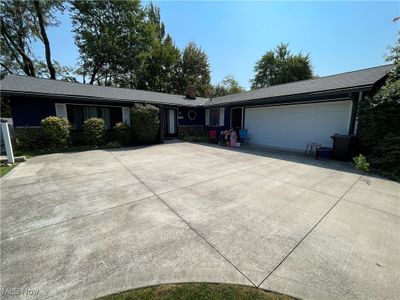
(19, 292)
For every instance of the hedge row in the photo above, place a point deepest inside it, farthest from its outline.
(55, 133)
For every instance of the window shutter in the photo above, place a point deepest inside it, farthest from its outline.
(61, 110)
(207, 117)
(126, 116)
(222, 117)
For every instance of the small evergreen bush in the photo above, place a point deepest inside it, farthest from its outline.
(94, 130)
(56, 134)
(122, 133)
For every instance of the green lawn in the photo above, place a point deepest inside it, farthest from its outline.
(5, 169)
(197, 291)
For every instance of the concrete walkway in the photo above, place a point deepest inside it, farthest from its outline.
(83, 225)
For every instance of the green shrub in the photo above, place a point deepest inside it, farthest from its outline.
(195, 139)
(122, 133)
(385, 158)
(114, 144)
(27, 139)
(192, 131)
(94, 130)
(145, 123)
(55, 133)
(379, 125)
(361, 163)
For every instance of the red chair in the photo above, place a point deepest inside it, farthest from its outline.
(212, 134)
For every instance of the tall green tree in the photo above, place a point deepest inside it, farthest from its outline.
(113, 38)
(160, 69)
(280, 66)
(21, 23)
(194, 70)
(229, 85)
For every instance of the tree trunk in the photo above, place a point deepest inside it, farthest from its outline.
(94, 73)
(46, 42)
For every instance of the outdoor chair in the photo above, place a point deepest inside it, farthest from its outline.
(312, 149)
(244, 136)
(212, 135)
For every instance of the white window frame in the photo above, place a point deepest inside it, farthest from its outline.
(61, 110)
(126, 115)
(221, 120)
(221, 116)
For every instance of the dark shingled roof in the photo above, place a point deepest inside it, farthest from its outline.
(361, 79)
(38, 86)
(365, 78)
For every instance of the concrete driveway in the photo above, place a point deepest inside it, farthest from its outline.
(83, 225)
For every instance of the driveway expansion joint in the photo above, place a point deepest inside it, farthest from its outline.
(308, 233)
(71, 219)
(184, 221)
(373, 208)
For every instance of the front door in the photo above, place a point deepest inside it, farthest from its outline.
(237, 118)
(170, 120)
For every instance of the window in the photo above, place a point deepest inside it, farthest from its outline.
(78, 114)
(191, 115)
(214, 117)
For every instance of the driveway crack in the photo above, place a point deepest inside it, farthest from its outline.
(183, 220)
(307, 234)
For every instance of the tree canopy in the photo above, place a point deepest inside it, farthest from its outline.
(113, 39)
(160, 70)
(194, 70)
(21, 23)
(229, 85)
(125, 44)
(280, 66)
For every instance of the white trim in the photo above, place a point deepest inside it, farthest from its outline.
(207, 117)
(61, 110)
(172, 122)
(222, 116)
(126, 115)
(7, 142)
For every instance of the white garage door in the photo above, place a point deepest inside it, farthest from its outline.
(292, 126)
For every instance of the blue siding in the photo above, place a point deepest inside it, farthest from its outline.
(183, 119)
(30, 111)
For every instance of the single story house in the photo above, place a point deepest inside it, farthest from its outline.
(284, 116)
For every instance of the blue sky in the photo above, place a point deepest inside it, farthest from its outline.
(339, 36)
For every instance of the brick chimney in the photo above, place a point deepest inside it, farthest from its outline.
(191, 92)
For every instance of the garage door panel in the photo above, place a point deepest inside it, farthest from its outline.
(292, 126)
